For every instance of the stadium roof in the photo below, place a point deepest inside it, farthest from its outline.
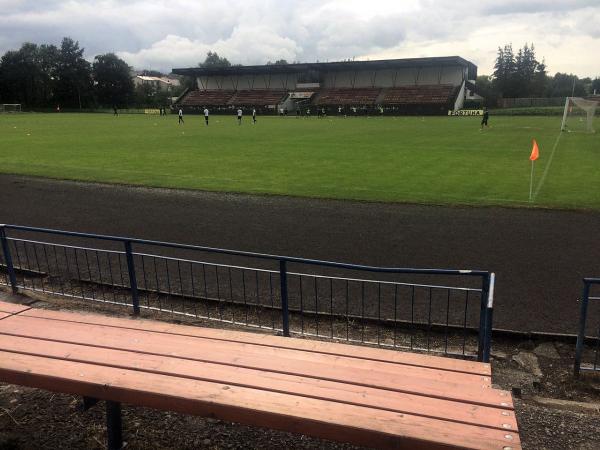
(329, 66)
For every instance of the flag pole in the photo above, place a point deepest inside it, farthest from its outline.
(531, 182)
(535, 154)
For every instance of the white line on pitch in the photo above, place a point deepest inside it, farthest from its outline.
(547, 169)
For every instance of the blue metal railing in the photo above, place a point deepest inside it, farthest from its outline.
(581, 352)
(384, 306)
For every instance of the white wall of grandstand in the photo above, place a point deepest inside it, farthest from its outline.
(417, 86)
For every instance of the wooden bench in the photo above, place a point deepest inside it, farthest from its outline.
(360, 395)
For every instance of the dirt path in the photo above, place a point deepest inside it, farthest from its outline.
(539, 256)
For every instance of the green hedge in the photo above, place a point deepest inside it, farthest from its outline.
(536, 111)
(530, 111)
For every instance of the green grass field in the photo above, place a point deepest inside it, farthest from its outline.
(441, 160)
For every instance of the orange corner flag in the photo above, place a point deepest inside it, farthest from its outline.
(535, 152)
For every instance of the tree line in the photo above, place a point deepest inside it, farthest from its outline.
(521, 75)
(45, 76)
(48, 76)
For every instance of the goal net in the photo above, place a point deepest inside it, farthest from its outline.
(10, 107)
(579, 114)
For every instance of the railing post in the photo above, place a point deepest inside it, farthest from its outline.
(8, 259)
(285, 309)
(581, 332)
(489, 309)
(132, 278)
(485, 285)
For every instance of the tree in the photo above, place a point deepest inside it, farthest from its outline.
(74, 80)
(521, 75)
(504, 70)
(485, 88)
(565, 85)
(26, 75)
(213, 60)
(596, 86)
(113, 84)
(152, 73)
(540, 80)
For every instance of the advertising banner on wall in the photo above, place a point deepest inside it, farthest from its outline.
(466, 112)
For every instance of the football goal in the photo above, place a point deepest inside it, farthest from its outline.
(10, 107)
(579, 114)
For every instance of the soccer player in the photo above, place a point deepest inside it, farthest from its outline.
(180, 114)
(307, 112)
(206, 115)
(484, 119)
(253, 115)
(298, 112)
(115, 111)
(239, 116)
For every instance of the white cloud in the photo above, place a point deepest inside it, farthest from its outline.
(160, 34)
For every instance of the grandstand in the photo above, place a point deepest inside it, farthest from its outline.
(257, 97)
(407, 86)
(213, 97)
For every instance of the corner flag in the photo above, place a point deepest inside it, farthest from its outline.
(535, 152)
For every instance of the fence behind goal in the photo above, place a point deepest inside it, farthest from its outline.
(433, 310)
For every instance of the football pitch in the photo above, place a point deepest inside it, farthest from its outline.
(430, 160)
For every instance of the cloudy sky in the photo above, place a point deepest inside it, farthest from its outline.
(156, 34)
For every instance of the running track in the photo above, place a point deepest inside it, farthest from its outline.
(539, 256)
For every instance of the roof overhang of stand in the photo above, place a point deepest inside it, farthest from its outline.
(331, 67)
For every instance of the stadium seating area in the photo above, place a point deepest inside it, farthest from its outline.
(407, 98)
(418, 95)
(257, 97)
(340, 96)
(216, 97)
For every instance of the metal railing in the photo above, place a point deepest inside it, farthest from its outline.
(587, 357)
(435, 310)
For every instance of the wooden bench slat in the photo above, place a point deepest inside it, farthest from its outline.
(240, 355)
(181, 341)
(369, 353)
(348, 423)
(296, 385)
(12, 308)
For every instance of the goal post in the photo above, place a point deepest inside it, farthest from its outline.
(10, 107)
(579, 114)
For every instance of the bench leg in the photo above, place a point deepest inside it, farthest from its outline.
(114, 426)
(89, 402)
